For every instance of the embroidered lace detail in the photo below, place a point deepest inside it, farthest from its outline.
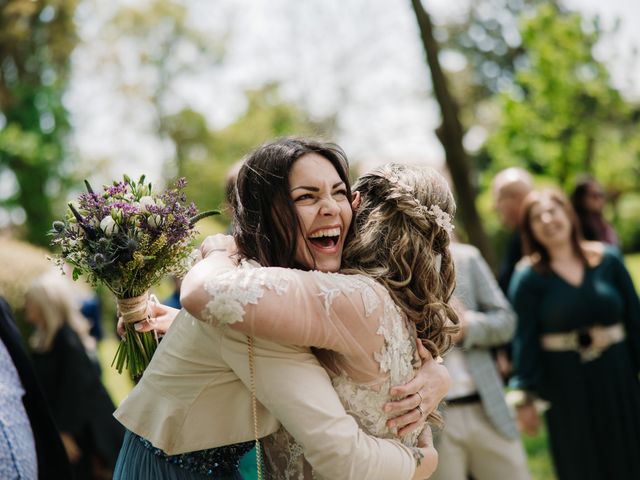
(334, 284)
(285, 457)
(396, 357)
(365, 402)
(231, 292)
(234, 289)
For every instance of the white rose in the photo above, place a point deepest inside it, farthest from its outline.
(145, 202)
(154, 220)
(109, 226)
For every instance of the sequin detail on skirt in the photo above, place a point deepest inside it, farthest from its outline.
(210, 462)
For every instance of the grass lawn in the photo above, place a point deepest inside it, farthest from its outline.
(536, 447)
(117, 385)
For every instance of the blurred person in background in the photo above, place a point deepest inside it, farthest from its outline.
(65, 361)
(509, 188)
(91, 310)
(30, 445)
(588, 200)
(577, 345)
(480, 438)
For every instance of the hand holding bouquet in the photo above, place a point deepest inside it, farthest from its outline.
(128, 238)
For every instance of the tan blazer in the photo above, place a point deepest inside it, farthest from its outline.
(194, 395)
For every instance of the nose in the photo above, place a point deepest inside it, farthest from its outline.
(329, 206)
(546, 217)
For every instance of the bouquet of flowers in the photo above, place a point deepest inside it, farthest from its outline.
(128, 238)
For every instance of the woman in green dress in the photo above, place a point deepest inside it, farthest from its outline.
(577, 345)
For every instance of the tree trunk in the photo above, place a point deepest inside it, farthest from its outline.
(450, 134)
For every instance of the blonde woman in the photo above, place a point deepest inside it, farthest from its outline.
(64, 359)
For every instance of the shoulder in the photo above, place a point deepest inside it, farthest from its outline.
(524, 274)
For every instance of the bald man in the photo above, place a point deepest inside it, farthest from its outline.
(510, 186)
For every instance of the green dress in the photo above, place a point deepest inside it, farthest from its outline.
(594, 417)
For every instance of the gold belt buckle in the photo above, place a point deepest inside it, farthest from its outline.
(588, 351)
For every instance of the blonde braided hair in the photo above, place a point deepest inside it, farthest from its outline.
(401, 239)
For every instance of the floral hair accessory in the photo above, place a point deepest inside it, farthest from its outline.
(442, 218)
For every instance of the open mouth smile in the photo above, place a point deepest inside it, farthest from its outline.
(326, 239)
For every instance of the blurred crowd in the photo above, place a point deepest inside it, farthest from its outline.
(557, 327)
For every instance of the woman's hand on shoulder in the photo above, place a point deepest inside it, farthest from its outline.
(593, 251)
(217, 243)
(420, 396)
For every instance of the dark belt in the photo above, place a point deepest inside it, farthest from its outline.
(466, 400)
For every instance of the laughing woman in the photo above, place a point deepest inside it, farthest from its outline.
(191, 414)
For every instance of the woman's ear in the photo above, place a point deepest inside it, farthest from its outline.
(355, 200)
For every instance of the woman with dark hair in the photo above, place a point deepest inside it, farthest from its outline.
(577, 345)
(193, 394)
(588, 200)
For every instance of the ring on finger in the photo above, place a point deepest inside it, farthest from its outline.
(421, 399)
(419, 408)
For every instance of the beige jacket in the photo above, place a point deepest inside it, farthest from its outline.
(194, 395)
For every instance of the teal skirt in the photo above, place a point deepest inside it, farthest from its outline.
(139, 460)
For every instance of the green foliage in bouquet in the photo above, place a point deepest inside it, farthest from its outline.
(128, 238)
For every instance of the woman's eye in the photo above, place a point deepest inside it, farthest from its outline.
(342, 193)
(306, 196)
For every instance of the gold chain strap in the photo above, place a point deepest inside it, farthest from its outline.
(254, 406)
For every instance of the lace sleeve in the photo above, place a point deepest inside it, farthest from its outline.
(325, 310)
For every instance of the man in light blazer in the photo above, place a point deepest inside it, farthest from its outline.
(480, 436)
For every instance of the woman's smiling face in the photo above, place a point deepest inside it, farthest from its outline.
(324, 211)
(550, 224)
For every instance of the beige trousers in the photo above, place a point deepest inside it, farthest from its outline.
(470, 445)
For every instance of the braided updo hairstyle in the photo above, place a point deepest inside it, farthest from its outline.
(401, 239)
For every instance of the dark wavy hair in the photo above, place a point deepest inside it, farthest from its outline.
(265, 221)
(538, 253)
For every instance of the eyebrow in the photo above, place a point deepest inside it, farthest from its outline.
(316, 189)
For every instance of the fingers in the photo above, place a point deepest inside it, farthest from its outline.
(217, 242)
(425, 440)
(407, 422)
(120, 327)
(158, 309)
(407, 403)
(143, 326)
(422, 351)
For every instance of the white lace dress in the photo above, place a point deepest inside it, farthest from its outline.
(361, 336)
